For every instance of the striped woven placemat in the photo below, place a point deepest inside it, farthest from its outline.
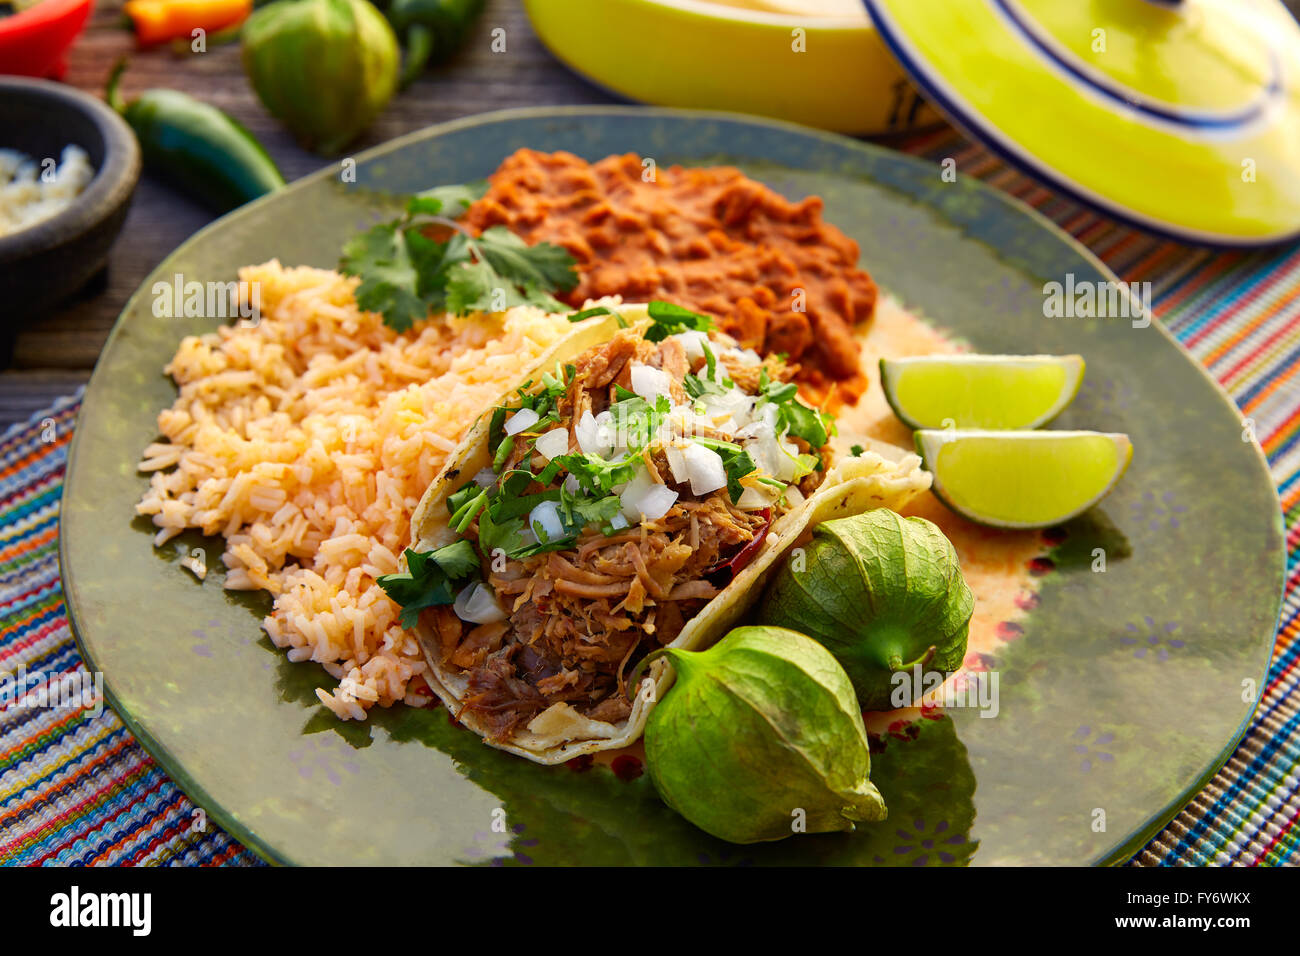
(76, 788)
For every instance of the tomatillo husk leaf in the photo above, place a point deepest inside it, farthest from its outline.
(884, 594)
(761, 738)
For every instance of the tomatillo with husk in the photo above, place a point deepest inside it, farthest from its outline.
(759, 738)
(883, 593)
(324, 68)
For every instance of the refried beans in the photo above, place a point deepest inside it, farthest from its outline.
(770, 271)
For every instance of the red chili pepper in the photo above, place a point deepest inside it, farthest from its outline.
(725, 573)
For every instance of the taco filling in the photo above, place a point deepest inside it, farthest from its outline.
(626, 489)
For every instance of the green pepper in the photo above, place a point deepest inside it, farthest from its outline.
(430, 30)
(196, 146)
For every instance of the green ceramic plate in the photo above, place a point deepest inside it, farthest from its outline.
(1125, 692)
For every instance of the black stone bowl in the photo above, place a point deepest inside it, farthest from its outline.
(51, 259)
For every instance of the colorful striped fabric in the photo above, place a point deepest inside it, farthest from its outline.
(75, 788)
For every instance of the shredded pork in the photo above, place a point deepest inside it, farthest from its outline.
(580, 618)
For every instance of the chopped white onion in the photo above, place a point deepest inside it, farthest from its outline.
(547, 516)
(677, 463)
(592, 439)
(657, 502)
(646, 499)
(631, 492)
(757, 497)
(793, 495)
(520, 420)
(571, 485)
(705, 469)
(650, 382)
(618, 522)
(776, 457)
(555, 442)
(486, 478)
(693, 343)
(478, 605)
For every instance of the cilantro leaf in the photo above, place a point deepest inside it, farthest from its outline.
(450, 201)
(794, 417)
(737, 466)
(544, 266)
(804, 422)
(431, 578)
(476, 287)
(670, 319)
(381, 256)
(506, 536)
(405, 274)
(596, 475)
(578, 512)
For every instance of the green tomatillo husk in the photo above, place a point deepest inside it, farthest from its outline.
(324, 68)
(884, 594)
(759, 738)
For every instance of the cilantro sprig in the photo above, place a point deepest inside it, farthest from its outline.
(793, 416)
(405, 274)
(431, 578)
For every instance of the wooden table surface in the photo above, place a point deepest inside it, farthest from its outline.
(56, 355)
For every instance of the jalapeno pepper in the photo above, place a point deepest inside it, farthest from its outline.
(430, 30)
(196, 146)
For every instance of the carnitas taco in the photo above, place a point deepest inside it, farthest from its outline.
(632, 495)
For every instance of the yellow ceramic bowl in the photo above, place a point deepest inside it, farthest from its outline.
(829, 72)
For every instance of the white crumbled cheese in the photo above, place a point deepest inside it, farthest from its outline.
(32, 190)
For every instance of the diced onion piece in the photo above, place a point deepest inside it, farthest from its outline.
(776, 458)
(631, 492)
(571, 485)
(650, 382)
(677, 463)
(618, 522)
(486, 478)
(730, 410)
(590, 439)
(478, 605)
(757, 497)
(657, 501)
(704, 468)
(520, 420)
(546, 515)
(646, 499)
(794, 496)
(555, 442)
(693, 343)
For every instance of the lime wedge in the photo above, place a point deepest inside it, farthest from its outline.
(1022, 479)
(980, 391)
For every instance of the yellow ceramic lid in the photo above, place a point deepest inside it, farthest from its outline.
(1182, 116)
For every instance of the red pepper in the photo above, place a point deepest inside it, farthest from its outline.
(726, 572)
(34, 42)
